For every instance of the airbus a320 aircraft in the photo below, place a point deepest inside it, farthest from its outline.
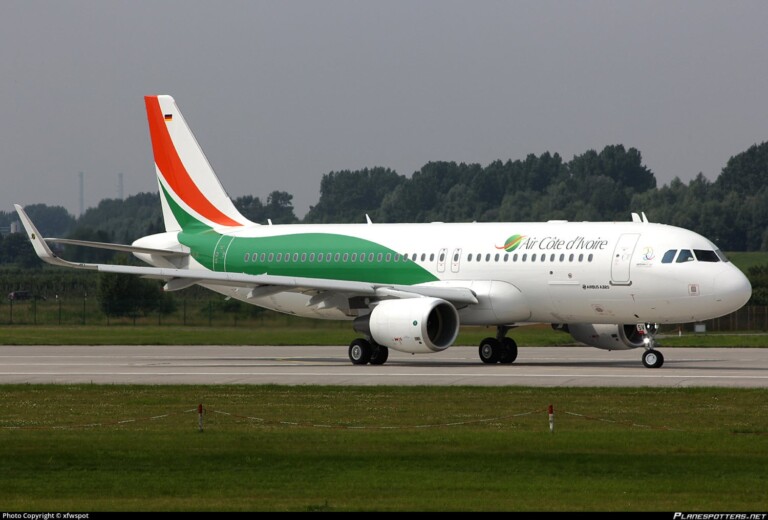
(409, 287)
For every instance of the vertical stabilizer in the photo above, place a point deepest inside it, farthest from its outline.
(190, 192)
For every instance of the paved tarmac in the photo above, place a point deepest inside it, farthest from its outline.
(293, 365)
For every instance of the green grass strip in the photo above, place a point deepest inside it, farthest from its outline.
(274, 448)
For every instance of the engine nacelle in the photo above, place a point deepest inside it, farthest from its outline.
(415, 325)
(606, 337)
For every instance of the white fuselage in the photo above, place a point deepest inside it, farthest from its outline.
(562, 272)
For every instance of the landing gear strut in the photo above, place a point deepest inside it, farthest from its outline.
(652, 358)
(362, 352)
(500, 349)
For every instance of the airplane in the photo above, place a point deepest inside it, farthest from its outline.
(409, 287)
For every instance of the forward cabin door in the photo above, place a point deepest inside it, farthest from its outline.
(622, 258)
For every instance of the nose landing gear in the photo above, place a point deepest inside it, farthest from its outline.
(652, 358)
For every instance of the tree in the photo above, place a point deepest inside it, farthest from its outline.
(279, 208)
(745, 173)
(128, 295)
(347, 196)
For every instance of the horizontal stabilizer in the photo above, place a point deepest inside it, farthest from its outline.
(116, 247)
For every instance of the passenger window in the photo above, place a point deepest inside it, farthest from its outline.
(469, 257)
(506, 256)
(477, 258)
(525, 255)
(685, 256)
(703, 255)
(389, 257)
(336, 257)
(311, 257)
(533, 257)
(442, 257)
(423, 256)
(247, 257)
(262, 256)
(303, 257)
(668, 256)
(496, 258)
(432, 257)
(279, 256)
(346, 257)
(271, 256)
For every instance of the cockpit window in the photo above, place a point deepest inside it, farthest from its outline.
(685, 256)
(703, 255)
(668, 256)
(721, 255)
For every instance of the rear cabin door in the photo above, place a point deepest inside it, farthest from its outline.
(220, 253)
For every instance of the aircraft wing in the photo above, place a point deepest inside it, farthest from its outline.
(260, 285)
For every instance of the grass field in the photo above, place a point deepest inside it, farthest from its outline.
(311, 332)
(381, 449)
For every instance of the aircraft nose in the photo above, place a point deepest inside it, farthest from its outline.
(732, 289)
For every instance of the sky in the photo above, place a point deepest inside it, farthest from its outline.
(279, 93)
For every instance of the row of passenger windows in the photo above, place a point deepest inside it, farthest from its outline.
(533, 257)
(389, 257)
(686, 255)
(326, 257)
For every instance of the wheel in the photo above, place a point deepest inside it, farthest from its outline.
(490, 350)
(379, 354)
(652, 359)
(360, 351)
(508, 351)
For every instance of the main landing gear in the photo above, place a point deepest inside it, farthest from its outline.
(362, 352)
(652, 358)
(500, 349)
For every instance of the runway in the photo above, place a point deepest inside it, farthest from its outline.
(293, 365)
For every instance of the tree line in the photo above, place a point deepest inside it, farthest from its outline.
(596, 186)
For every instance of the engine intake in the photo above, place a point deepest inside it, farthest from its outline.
(415, 325)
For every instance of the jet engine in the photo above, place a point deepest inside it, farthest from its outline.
(606, 337)
(415, 325)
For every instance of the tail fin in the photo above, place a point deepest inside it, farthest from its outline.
(191, 194)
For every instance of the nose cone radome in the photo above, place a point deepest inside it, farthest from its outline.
(732, 290)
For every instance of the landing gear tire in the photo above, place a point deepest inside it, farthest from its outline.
(652, 359)
(360, 352)
(490, 351)
(379, 354)
(508, 351)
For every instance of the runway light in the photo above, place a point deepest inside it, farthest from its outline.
(200, 417)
